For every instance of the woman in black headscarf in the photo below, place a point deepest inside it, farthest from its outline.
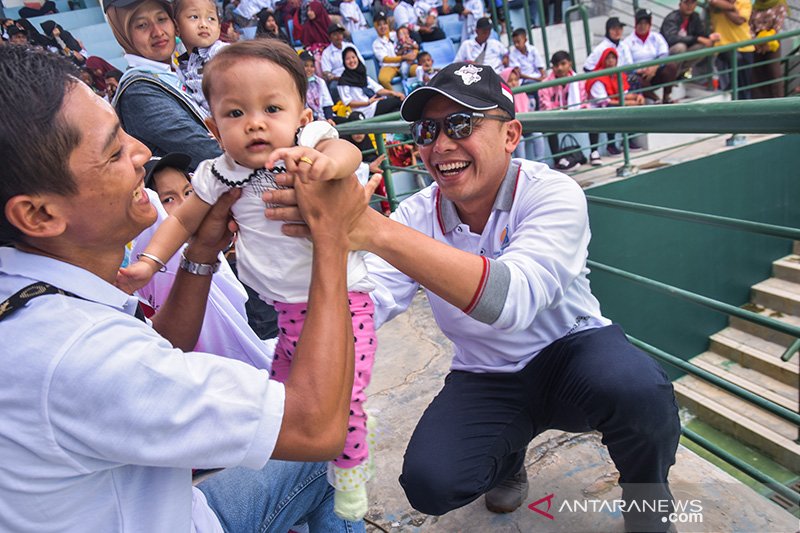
(64, 42)
(361, 92)
(268, 27)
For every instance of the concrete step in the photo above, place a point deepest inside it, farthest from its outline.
(752, 425)
(769, 388)
(796, 247)
(787, 268)
(755, 353)
(777, 294)
(764, 332)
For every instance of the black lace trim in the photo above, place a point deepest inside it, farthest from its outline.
(258, 173)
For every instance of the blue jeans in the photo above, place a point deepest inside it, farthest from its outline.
(275, 498)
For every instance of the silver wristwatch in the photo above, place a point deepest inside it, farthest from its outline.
(199, 269)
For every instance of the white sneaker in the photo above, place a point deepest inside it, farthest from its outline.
(562, 164)
(594, 158)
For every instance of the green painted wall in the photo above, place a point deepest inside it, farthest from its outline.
(758, 182)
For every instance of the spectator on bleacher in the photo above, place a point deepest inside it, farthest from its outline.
(198, 26)
(472, 11)
(483, 49)
(331, 61)
(612, 39)
(150, 100)
(408, 49)
(557, 12)
(405, 14)
(352, 17)
(34, 8)
(17, 35)
(112, 82)
(425, 69)
(330, 9)
(522, 104)
(644, 44)
(604, 91)
(767, 19)
(566, 97)
(98, 67)
(318, 97)
(359, 91)
(525, 57)
(314, 26)
(244, 13)
(228, 33)
(730, 19)
(384, 49)
(35, 38)
(685, 31)
(422, 20)
(268, 27)
(62, 42)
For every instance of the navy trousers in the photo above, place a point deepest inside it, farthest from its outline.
(474, 434)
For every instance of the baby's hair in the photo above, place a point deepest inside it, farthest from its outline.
(272, 50)
(518, 32)
(113, 73)
(177, 6)
(422, 55)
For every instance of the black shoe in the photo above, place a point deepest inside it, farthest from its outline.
(613, 150)
(509, 494)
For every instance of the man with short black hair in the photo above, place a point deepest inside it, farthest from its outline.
(104, 419)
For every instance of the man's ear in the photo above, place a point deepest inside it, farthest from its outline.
(211, 124)
(306, 116)
(35, 215)
(513, 135)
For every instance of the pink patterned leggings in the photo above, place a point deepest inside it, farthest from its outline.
(290, 324)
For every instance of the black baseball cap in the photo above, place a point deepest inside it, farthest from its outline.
(477, 87)
(380, 16)
(614, 22)
(176, 160)
(335, 26)
(643, 14)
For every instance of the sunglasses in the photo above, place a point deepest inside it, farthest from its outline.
(456, 126)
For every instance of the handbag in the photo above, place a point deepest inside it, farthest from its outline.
(570, 144)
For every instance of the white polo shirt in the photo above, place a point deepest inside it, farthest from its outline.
(471, 49)
(103, 420)
(623, 54)
(654, 47)
(529, 63)
(406, 15)
(383, 47)
(535, 289)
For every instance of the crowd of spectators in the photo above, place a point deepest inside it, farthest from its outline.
(323, 30)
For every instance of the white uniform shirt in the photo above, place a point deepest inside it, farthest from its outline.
(623, 54)
(495, 52)
(383, 47)
(352, 16)
(654, 47)
(528, 63)
(103, 419)
(477, 11)
(277, 267)
(348, 93)
(406, 15)
(331, 60)
(537, 235)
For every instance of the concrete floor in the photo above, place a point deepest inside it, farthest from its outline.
(413, 358)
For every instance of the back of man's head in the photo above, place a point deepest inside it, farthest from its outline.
(35, 143)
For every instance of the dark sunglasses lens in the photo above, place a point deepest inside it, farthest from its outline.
(459, 125)
(424, 131)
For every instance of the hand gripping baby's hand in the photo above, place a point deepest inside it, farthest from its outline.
(306, 163)
(134, 276)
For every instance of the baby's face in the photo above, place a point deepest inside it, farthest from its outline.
(402, 34)
(198, 23)
(426, 62)
(255, 108)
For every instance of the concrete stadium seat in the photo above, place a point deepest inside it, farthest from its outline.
(443, 52)
(451, 26)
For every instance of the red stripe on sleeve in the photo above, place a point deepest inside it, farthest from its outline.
(481, 286)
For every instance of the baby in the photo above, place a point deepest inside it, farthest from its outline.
(405, 45)
(198, 26)
(256, 91)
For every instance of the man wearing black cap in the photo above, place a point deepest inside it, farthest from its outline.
(500, 247)
(613, 36)
(483, 49)
(644, 44)
(331, 61)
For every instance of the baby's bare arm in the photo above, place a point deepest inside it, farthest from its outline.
(332, 159)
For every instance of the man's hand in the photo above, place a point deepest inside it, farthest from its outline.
(306, 163)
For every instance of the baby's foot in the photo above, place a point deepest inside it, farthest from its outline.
(351, 505)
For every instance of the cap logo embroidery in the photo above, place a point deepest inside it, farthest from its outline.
(469, 74)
